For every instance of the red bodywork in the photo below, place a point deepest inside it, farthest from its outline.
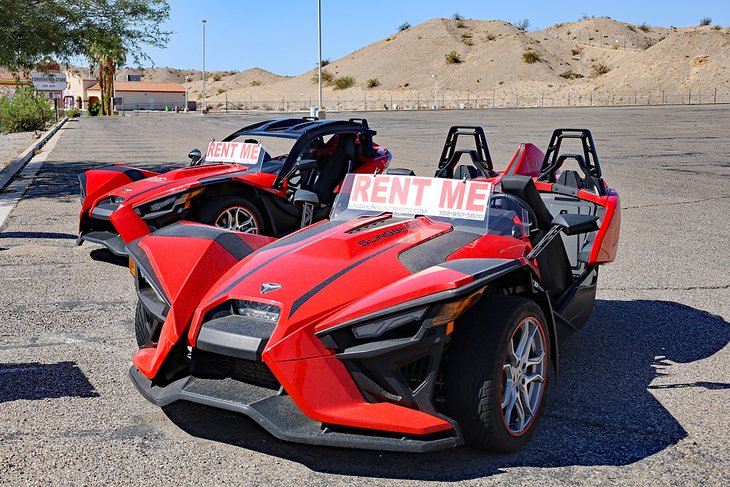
(328, 278)
(113, 181)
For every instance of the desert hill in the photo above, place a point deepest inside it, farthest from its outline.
(492, 59)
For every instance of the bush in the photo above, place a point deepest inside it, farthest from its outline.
(458, 16)
(523, 24)
(466, 39)
(221, 91)
(453, 58)
(26, 111)
(531, 57)
(255, 83)
(404, 26)
(373, 82)
(576, 51)
(644, 27)
(570, 75)
(705, 21)
(344, 82)
(601, 68)
(716, 27)
(94, 109)
(73, 113)
(217, 77)
(325, 62)
(327, 77)
(490, 36)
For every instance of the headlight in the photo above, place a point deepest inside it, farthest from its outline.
(261, 311)
(163, 204)
(378, 328)
(170, 203)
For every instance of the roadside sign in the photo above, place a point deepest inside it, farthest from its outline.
(48, 81)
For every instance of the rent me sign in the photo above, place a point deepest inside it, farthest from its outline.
(421, 196)
(233, 152)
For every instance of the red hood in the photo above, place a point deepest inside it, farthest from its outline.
(170, 182)
(322, 269)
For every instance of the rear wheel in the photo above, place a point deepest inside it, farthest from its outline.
(496, 373)
(233, 213)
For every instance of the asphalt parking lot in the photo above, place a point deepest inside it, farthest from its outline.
(643, 390)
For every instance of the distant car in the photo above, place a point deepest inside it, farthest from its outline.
(424, 314)
(244, 182)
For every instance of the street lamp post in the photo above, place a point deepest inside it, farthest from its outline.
(319, 48)
(205, 105)
(435, 89)
(187, 88)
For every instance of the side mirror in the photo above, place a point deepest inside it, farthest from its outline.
(574, 224)
(302, 197)
(194, 156)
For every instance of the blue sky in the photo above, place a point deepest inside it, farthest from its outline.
(281, 35)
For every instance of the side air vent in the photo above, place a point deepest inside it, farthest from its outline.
(416, 372)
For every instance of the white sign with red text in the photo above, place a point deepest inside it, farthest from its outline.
(412, 195)
(233, 152)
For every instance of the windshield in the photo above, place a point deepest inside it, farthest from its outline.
(257, 153)
(466, 205)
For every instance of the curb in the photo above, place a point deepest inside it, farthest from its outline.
(9, 172)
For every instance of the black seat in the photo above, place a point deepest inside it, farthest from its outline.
(332, 168)
(570, 179)
(555, 271)
(463, 172)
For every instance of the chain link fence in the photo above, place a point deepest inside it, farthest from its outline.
(485, 101)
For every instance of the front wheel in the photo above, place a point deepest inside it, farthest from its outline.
(233, 213)
(496, 372)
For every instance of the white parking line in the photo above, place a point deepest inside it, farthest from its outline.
(15, 191)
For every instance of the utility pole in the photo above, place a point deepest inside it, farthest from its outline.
(205, 105)
(319, 49)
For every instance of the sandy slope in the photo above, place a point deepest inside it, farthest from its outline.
(638, 60)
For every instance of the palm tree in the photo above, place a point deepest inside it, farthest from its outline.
(107, 53)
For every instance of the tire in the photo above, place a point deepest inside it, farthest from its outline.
(142, 325)
(232, 212)
(477, 380)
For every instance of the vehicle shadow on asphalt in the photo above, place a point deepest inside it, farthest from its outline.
(61, 179)
(51, 235)
(600, 413)
(33, 381)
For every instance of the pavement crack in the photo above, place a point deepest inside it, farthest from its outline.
(676, 203)
(688, 288)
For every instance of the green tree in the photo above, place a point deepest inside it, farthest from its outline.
(117, 30)
(36, 28)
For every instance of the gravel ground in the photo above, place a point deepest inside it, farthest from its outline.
(643, 388)
(11, 145)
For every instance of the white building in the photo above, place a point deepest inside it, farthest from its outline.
(140, 95)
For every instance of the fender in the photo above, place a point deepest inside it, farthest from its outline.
(181, 262)
(96, 183)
